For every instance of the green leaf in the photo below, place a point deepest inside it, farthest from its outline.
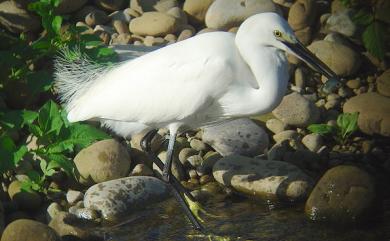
(373, 39)
(7, 144)
(41, 44)
(19, 154)
(84, 134)
(40, 81)
(49, 118)
(347, 123)
(56, 24)
(61, 161)
(35, 130)
(321, 129)
(94, 43)
(18, 118)
(363, 17)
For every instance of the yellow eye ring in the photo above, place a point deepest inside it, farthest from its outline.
(277, 33)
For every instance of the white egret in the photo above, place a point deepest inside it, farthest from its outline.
(200, 81)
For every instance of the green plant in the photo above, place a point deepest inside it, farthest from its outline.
(57, 141)
(374, 29)
(29, 64)
(346, 126)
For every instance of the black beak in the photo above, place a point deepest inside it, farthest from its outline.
(303, 53)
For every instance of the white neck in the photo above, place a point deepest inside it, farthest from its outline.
(270, 69)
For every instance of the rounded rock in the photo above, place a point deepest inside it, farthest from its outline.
(275, 125)
(73, 196)
(198, 145)
(312, 141)
(296, 110)
(343, 60)
(153, 24)
(374, 112)
(240, 136)
(343, 195)
(116, 198)
(102, 161)
(225, 14)
(341, 22)
(270, 180)
(196, 10)
(301, 14)
(25, 229)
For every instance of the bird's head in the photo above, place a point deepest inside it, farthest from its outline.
(274, 31)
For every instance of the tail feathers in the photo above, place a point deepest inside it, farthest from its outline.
(74, 74)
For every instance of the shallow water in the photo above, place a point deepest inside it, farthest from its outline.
(242, 220)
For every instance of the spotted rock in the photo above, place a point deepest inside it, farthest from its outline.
(241, 136)
(270, 180)
(116, 198)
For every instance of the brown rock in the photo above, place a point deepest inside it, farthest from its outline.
(25, 229)
(374, 112)
(102, 161)
(196, 10)
(301, 14)
(383, 83)
(343, 60)
(153, 24)
(342, 195)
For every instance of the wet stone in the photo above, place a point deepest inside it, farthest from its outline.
(116, 198)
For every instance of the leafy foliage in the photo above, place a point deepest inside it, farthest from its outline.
(374, 30)
(29, 64)
(346, 126)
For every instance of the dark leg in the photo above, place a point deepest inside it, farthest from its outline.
(178, 190)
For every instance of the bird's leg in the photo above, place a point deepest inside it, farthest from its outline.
(167, 170)
(179, 192)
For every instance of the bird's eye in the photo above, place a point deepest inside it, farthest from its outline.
(277, 33)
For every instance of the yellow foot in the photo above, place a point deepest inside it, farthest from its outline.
(196, 208)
